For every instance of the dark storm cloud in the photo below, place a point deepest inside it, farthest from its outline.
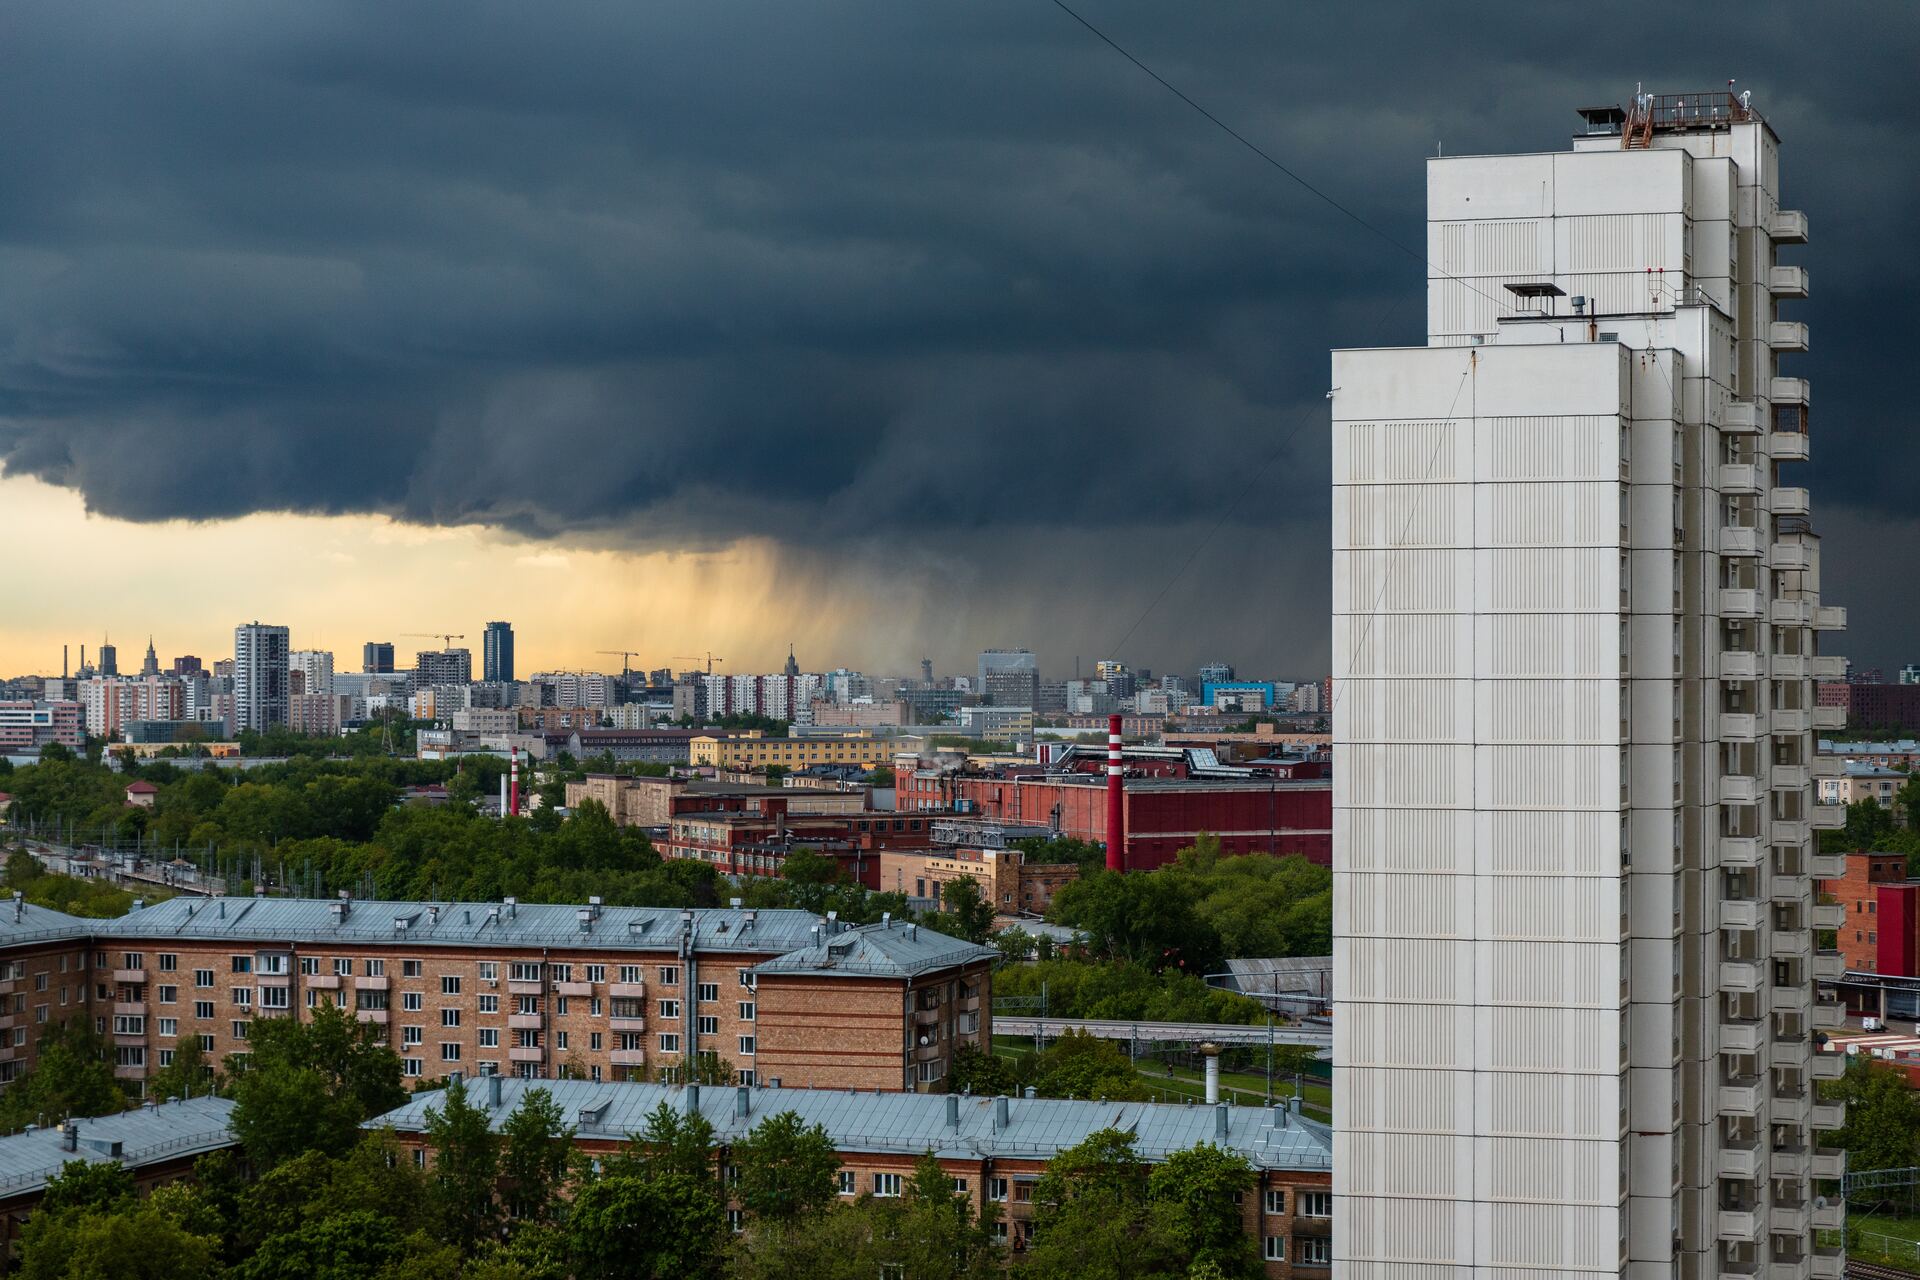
(950, 277)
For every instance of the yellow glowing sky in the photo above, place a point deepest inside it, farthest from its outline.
(338, 581)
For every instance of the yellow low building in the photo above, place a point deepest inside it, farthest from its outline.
(754, 753)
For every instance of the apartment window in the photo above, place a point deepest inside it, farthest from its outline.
(593, 1040)
(561, 972)
(343, 968)
(276, 998)
(736, 1220)
(241, 964)
(630, 973)
(167, 995)
(708, 1026)
(414, 1067)
(376, 968)
(1275, 1250)
(203, 978)
(526, 1004)
(1314, 1204)
(489, 970)
(886, 1185)
(746, 978)
(411, 968)
(669, 975)
(166, 1057)
(560, 1006)
(746, 1011)
(745, 1078)
(243, 997)
(169, 1026)
(596, 973)
(40, 981)
(489, 1004)
(309, 964)
(370, 999)
(206, 1042)
(412, 1035)
(997, 1190)
(449, 1017)
(240, 1030)
(521, 971)
(746, 1044)
(313, 998)
(1023, 1193)
(450, 1051)
(847, 1182)
(1276, 1201)
(168, 962)
(130, 1055)
(489, 1037)
(960, 1186)
(129, 1024)
(203, 1009)
(410, 1001)
(449, 984)
(669, 1044)
(132, 960)
(709, 992)
(669, 1008)
(1315, 1251)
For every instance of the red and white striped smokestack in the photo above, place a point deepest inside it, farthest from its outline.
(513, 781)
(1116, 809)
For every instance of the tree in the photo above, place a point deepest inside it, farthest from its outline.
(306, 1086)
(672, 1142)
(83, 1184)
(964, 912)
(538, 1158)
(136, 1242)
(840, 1244)
(1147, 918)
(1907, 801)
(980, 1071)
(188, 1075)
(664, 1224)
(1093, 1218)
(1883, 1116)
(1081, 1065)
(1202, 1186)
(786, 1170)
(932, 1231)
(71, 1078)
(466, 1165)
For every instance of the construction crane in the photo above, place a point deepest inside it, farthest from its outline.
(626, 672)
(694, 657)
(446, 638)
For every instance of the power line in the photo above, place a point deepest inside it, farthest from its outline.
(1264, 154)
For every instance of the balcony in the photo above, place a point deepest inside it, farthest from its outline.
(1738, 788)
(1742, 1035)
(1790, 613)
(928, 1052)
(1828, 966)
(1827, 866)
(1787, 226)
(1829, 667)
(629, 1057)
(1831, 1216)
(1787, 831)
(1789, 500)
(132, 977)
(1827, 1015)
(1788, 392)
(376, 1016)
(1740, 975)
(1736, 540)
(1741, 913)
(1787, 282)
(1738, 664)
(1825, 766)
(1828, 817)
(1739, 602)
(1739, 851)
(129, 1073)
(1789, 557)
(926, 1017)
(1829, 915)
(1789, 1219)
(1828, 1116)
(278, 981)
(1739, 477)
(1787, 335)
(1789, 446)
(524, 1053)
(1739, 726)
(627, 991)
(1740, 1225)
(1789, 777)
(526, 1021)
(1791, 1108)
(626, 1024)
(1789, 666)
(1741, 418)
(1788, 1162)
(1828, 1262)
(573, 988)
(1795, 998)
(1829, 1163)
(1740, 1160)
(130, 1006)
(1830, 617)
(321, 981)
(1788, 888)
(371, 983)
(1829, 717)
(525, 988)
(1827, 1066)
(1790, 944)
(1786, 720)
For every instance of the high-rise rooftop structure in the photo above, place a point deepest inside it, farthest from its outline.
(1009, 677)
(260, 667)
(442, 666)
(151, 666)
(376, 657)
(1576, 610)
(109, 660)
(315, 667)
(496, 658)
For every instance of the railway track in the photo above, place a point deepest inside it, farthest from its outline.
(1875, 1271)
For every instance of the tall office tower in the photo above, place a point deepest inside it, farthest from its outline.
(442, 666)
(1574, 640)
(109, 660)
(1009, 677)
(315, 667)
(260, 668)
(496, 656)
(376, 657)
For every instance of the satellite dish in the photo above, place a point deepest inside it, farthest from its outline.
(1819, 1202)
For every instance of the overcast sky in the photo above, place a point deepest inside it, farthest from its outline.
(920, 326)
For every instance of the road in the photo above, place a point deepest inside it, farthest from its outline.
(1164, 1032)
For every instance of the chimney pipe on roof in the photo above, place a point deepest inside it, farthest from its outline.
(70, 1136)
(493, 1091)
(693, 1099)
(1211, 1051)
(953, 1111)
(742, 1101)
(1220, 1122)
(1000, 1113)
(1116, 801)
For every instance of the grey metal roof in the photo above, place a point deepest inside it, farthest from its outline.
(888, 949)
(21, 921)
(1282, 974)
(143, 1136)
(465, 924)
(913, 1123)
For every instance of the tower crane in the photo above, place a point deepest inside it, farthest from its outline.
(625, 655)
(446, 638)
(694, 657)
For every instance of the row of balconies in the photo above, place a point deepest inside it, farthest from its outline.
(1740, 664)
(1748, 604)
(1750, 1161)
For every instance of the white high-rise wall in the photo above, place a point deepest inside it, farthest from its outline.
(315, 667)
(259, 676)
(1573, 644)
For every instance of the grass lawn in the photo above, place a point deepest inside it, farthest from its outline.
(1883, 1238)
(1174, 1083)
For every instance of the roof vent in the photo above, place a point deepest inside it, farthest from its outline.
(886, 919)
(513, 908)
(433, 915)
(591, 1114)
(400, 923)
(585, 915)
(734, 903)
(340, 910)
(493, 1091)
(1000, 1116)
(138, 903)
(953, 1111)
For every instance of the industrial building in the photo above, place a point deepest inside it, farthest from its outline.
(1576, 622)
(995, 1149)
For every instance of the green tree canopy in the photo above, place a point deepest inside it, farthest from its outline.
(787, 1170)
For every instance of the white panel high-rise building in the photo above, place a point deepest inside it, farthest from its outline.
(315, 667)
(1575, 629)
(259, 676)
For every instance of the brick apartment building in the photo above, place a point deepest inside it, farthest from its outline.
(994, 1149)
(507, 988)
(1007, 880)
(655, 802)
(1879, 931)
(756, 842)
